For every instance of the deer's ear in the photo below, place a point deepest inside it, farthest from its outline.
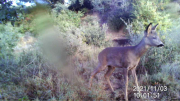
(148, 29)
(154, 28)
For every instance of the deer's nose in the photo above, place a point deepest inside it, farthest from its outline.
(161, 45)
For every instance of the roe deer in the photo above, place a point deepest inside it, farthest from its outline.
(126, 57)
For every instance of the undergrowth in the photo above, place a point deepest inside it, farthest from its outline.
(60, 63)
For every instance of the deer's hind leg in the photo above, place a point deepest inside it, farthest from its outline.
(97, 70)
(125, 71)
(108, 74)
(135, 78)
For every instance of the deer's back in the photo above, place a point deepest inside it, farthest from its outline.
(121, 57)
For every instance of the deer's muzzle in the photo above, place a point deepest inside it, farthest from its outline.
(161, 45)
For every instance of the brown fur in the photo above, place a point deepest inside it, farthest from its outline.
(125, 57)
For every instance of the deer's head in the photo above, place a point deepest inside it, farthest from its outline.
(151, 38)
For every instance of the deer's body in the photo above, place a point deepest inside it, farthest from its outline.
(120, 57)
(125, 57)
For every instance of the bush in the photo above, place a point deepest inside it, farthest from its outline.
(58, 8)
(36, 18)
(10, 13)
(9, 37)
(148, 12)
(32, 76)
(93, 33)
(67, 19)
(169, 77)
(173, 9)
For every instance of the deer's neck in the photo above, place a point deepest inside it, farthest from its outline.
(141, 48)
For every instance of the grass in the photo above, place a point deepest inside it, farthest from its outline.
(30, 77)
(60, 62)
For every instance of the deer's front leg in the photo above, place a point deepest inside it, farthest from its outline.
(126, 83)
(135, 78)
(107, 75)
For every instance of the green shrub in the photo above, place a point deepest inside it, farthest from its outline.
(67, 19)
(169, 77)
(36, 18)
(58, 8)
(8, 12)
(149, 12)
(173, 9)
(32, 76)
(26, 26)
(93, 33)
(9, 37)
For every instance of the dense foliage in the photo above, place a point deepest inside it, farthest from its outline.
(50, 53)
(150, 11)
(10, 13)
(9, 37)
